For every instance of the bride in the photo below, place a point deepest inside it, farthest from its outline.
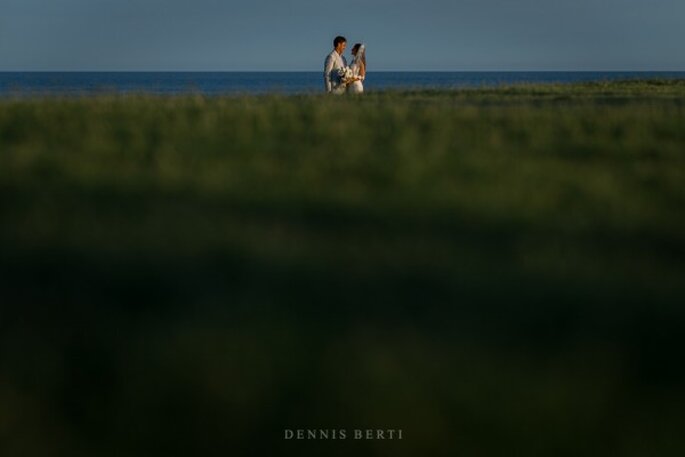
(358, 68)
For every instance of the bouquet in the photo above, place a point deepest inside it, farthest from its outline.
(346, 75)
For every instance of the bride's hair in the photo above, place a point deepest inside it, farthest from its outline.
(355, 49)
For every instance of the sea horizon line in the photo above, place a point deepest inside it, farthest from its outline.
(319, 71)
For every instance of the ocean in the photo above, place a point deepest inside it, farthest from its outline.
(221, 83)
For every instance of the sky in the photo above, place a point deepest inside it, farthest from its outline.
(291, 35)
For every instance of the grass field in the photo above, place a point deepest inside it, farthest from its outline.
(496, 271)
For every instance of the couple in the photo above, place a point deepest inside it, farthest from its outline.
(337, 76)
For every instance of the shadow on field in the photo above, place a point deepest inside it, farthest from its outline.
(191, 276)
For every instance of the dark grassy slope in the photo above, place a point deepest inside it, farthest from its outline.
(495, 271)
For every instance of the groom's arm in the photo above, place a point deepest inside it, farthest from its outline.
(327, 69)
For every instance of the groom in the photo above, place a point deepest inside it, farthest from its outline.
(334, 62)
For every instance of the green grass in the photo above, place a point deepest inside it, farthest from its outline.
(496, 271)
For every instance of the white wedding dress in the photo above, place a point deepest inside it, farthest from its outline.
(357, 87)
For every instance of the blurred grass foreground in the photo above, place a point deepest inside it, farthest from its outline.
(495, 271)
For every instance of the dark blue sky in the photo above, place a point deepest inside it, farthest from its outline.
(296, 34)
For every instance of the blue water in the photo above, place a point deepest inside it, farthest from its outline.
(217, 83)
